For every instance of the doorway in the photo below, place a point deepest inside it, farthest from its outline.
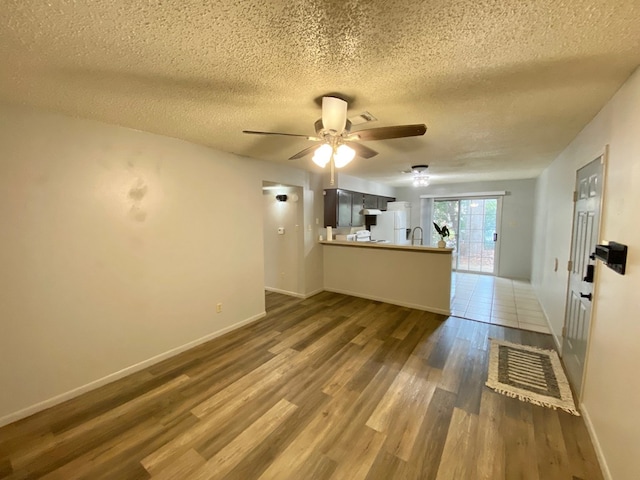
(473, 224)
(283, 237)
(586, 229)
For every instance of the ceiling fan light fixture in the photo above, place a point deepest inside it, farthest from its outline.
(420, 177)
(322, 155)
(344, 154)
(334, 114)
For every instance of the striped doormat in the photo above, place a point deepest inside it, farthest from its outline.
(529, 374)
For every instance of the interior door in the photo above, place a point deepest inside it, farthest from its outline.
(586, 225)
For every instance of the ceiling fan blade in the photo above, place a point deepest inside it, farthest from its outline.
(334, 114)
(253, 132)
(304, 152)
(362, 150)
(397, 131)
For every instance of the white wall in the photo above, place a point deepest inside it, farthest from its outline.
(516, 242)
(116, 247)
(611, 386)
(360, 185)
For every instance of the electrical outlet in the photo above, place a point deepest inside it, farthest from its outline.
(219, 308)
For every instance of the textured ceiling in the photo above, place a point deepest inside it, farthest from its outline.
(502, 85)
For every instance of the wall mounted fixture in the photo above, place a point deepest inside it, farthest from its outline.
(420, 177)
(281, 198)
(613, 256)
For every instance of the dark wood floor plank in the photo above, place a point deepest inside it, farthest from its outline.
(472, 380)
(330, 386)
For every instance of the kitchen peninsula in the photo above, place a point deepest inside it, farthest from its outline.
(412, 276)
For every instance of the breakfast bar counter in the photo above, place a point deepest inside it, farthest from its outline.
(413, 276)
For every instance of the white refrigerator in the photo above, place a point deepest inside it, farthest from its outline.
(391, 226)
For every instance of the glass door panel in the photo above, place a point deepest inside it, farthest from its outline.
(473, 223)
(445, 212)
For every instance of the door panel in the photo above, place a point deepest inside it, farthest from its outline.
(473, 223)
(586, 224)
(344, 208)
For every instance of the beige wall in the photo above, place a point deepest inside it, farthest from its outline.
(116, 247)
(611, 386)
(401, 276)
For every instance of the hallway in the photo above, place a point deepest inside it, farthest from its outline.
(495, 300)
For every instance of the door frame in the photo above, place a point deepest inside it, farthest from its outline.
(604, 156)
(475, 196)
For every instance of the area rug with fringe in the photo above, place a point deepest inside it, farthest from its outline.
(530, 374)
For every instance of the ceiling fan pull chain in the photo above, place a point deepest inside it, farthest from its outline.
(332, 171)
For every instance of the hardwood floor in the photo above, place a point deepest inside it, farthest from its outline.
(328, 387)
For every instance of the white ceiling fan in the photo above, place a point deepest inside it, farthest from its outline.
(339, 145)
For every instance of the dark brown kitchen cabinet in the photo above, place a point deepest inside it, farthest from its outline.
(342, 207)
(357, 204)
(371, 201)
(338, 205)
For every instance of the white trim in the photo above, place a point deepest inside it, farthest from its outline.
(500, 193)
(314, 292)
(50, 402)
(285, 292)
(556, 339)
(425, 308)
(294, 294)
(606, 473)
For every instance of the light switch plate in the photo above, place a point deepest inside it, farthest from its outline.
(280, 230)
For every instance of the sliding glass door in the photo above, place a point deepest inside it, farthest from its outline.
(473, 223)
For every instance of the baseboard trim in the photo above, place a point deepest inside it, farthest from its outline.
(596, 444)
(285, 292)
(315, 292)
(425, 308)
(294, 294)
(556, 340)
(63, 397)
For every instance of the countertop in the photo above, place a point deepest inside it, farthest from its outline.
(389, 246)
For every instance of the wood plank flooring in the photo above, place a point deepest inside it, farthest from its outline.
(331, 387)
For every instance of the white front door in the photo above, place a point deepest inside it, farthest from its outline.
(586, 227)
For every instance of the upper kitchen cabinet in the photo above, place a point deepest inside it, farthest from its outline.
(382, 202)
(338, 207)
(345, 201)
(342, 207)
(371, 201)
(357, 204)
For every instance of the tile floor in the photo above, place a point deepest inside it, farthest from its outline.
(511, 303)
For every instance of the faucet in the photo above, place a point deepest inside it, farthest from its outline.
(413, 232)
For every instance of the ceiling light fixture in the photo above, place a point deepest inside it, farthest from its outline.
(322, 155)
(336, 156)
(343, 155)
(420, 177)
